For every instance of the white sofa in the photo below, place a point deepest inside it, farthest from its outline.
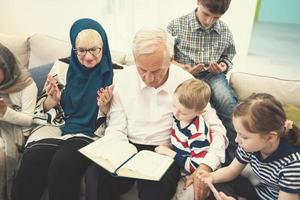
(40, 49)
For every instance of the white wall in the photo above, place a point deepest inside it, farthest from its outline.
(54, 17)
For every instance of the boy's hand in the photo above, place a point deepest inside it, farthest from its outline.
(164, 150)
(194, 70)
(104, 98)
(217, 68)
(204, 176)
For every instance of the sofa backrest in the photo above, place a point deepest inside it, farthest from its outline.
(45, 49)
(285, 90)
(39, 75)
(40, 49)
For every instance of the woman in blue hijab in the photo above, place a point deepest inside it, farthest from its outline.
(55, 162)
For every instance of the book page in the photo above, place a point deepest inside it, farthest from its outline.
(109, 149)
(148, 164)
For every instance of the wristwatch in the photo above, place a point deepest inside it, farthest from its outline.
(224, 63)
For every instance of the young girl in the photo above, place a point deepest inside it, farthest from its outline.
(18, 95)
(270, 143)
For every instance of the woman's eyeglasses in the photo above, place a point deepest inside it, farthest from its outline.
(82, 52)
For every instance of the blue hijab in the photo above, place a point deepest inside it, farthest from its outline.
(79, 98)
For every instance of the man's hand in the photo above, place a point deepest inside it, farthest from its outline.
(3, 106)
(201, 190)
(189, 181)
(217, 68)
(165, 150)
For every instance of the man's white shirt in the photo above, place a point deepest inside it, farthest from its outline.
(143, 115)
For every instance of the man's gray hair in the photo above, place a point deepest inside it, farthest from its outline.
(148, 40)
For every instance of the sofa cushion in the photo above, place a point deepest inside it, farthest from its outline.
(129, 60)
(45, 49)
(285, 90)
(19, 45)
(118, 57)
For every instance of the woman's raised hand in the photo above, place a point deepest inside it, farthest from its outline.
(3, 106)
(52, 89)
(104, 98)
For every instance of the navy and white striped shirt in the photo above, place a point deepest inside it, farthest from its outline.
(278, 172)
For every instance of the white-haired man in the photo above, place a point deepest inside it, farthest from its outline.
(141, 113)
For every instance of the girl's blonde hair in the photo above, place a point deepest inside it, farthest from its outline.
(262, 113)
(193, 94)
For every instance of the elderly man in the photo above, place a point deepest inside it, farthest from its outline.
(141, 113)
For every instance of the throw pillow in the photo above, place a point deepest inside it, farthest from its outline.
(46, 49)
(292, 113)
(18, 45)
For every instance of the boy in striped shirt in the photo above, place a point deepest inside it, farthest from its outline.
(191, 135)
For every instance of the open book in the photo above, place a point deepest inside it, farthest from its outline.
(122, 159)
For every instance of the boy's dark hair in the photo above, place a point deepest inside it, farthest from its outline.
(215, 6)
